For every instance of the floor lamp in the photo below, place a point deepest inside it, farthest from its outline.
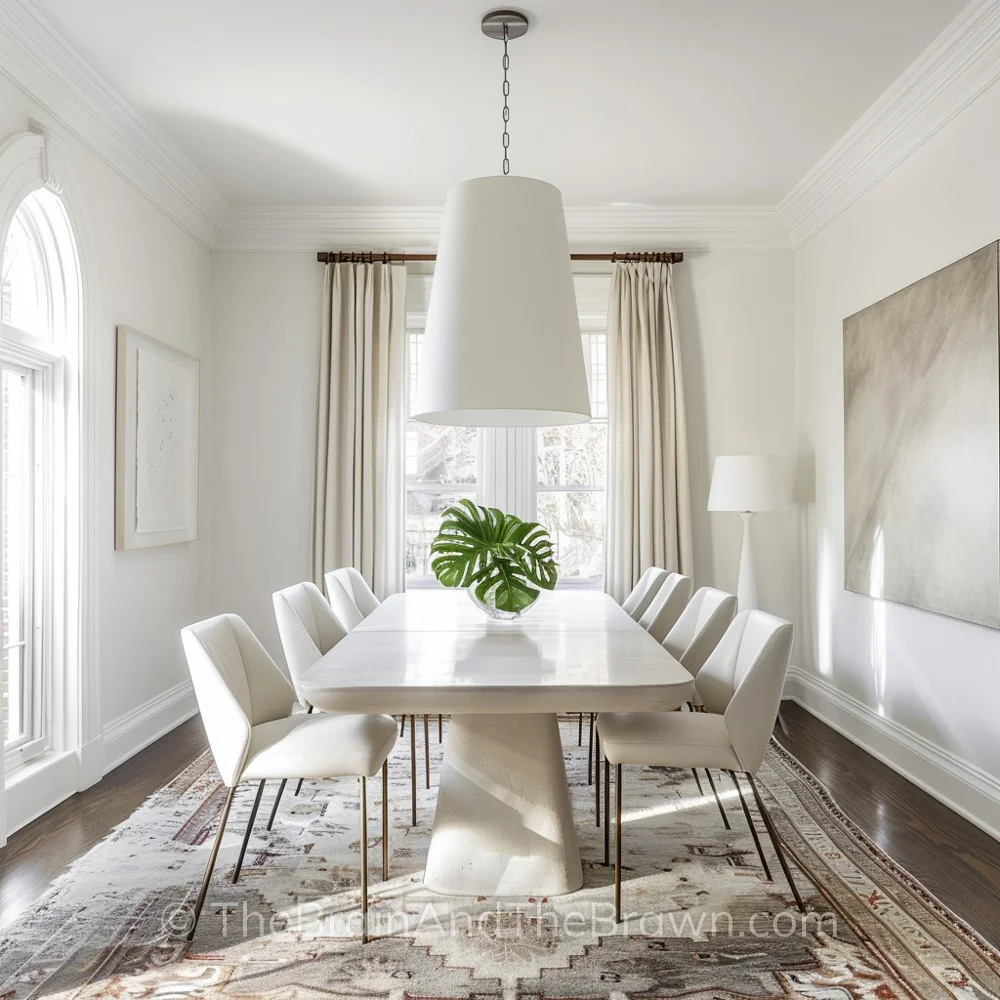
(747, 484)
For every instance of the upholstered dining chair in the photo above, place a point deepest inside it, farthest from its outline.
(740, 684)
(357, 589)
(697, 632)
(670, 599)
(309, 628)
(352, 601)
(246, 703)
(644, 591)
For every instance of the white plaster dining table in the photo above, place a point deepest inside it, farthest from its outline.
(503, 825)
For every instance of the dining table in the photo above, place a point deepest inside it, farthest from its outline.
(503, 823)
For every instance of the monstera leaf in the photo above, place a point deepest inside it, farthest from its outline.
(484, 548)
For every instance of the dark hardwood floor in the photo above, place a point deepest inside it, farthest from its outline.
(955, 860)
(39, 852)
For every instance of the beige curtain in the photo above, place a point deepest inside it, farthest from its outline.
(358, 509)
(649, 507)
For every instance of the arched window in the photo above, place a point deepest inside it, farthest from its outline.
(39, 332)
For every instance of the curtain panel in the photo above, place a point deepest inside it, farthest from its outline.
(649, 504)
(358, 517)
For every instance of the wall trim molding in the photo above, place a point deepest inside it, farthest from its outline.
(963, 787)
(135, 730)
(40, 59)
(312, 228)
(958, 66)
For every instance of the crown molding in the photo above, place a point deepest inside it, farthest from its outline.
(944, 79)
(37, 57)
(416, 229)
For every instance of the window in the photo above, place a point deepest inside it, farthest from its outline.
(571, 475)
(441, 465)
(37, 294)
(560, 473)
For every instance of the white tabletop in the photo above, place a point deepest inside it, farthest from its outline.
(434, 651)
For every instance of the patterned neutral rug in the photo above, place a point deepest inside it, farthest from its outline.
(703, 924)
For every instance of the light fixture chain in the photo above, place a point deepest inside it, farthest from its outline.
(506, 109)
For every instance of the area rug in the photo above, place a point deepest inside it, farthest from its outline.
(702, 922)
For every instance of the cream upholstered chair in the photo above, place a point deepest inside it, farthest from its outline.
(309, 628)
(697, 632)
(644, 591)
(347, 612)
(357, 589)
(670, 599)
(352, 601)
(740, 684)
(245, 704)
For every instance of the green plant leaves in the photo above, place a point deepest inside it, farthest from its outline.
(485, 548)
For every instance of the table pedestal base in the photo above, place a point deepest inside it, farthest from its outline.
(503, 825)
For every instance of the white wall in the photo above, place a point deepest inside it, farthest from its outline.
(266, 310)
(736, 315)
(918, 689)
(140, 269)
(737, 327)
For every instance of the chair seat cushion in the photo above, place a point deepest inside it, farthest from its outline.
(667, 739)
(320, 746)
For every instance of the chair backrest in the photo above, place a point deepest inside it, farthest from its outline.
(742, 681)
(700, 627)
(343, 605)
(644, 591)
(307, 627)
(357, 589)
(667, 605)
(237, 686)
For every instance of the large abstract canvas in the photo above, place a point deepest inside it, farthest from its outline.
(922, 444)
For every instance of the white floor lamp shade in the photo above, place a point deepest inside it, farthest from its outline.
(747, 484)
(502, 346)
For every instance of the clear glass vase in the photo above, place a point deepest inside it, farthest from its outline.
(489, 605)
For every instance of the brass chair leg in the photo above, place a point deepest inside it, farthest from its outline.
(209, 868)
(440, 728)
(607, 811)
(385, 820)
(364, 860)
(246, 836)
(427, 755)
(618, 843)
(590, 752)
(277, 799)
(413, 771)
(718, 801)
(752, 825)
(597, 783)
(579, 731)
(776, 841)
(298, 787)
(697, 780)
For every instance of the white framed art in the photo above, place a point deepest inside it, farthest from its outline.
(156, 443)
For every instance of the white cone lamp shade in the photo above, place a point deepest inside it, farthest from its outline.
(748, 483)
(502, 347)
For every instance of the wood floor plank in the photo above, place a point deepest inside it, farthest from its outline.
(952, 857)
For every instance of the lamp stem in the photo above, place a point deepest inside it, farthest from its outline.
(746, 587)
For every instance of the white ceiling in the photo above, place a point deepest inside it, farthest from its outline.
(388, 102)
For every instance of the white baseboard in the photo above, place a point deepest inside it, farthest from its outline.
(38, 786)
(134, 731)
(963, 787)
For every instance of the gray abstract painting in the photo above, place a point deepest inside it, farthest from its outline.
(922, 444)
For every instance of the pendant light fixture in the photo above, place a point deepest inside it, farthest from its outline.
(502, 345)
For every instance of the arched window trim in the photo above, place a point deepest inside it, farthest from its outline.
(29, 162)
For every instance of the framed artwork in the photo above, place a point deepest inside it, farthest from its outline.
(922, 443)
(156, 443)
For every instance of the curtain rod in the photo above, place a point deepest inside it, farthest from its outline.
(374, 256)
